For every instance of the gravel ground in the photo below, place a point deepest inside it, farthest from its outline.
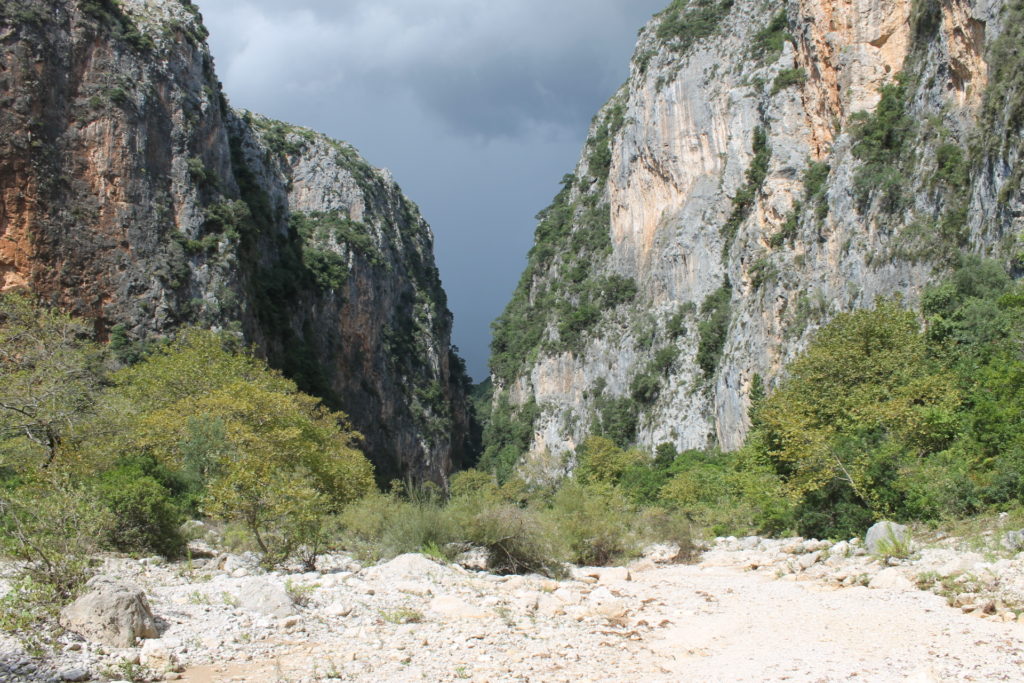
(750, 610)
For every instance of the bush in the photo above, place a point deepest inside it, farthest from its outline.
(380, 526)
(643, 483)
(769, 42)
(55, 527)
(683, 24)
(274, 459)
(617, 418)
(664, 526)
(880, 139)
(29, 610)
(145, 518)
(743, 201)
(517, 540)
(600, 461)
(595, 522)
(787, 78)
(644, 388)
(716, 312)
(472, 482)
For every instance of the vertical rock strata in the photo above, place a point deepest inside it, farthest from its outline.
(766, 166)
(132, 194)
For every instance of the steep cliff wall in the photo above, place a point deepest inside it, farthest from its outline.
(766, 165)
(132, 194)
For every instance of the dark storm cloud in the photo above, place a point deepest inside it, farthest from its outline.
(477, 106)
(483, 67)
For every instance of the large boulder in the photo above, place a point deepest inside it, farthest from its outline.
(892, 579)
(1014, 540)
(112, 613)
(266, 597)
(884, 533)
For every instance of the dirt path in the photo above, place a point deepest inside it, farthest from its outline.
(731, 625)
(714, 621)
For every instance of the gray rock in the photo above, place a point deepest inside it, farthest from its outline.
(885, 532)
(74, 675)
(808, 561)
(266, 597)
(1014, 540)
(112, 613)
(456, 608)
(474, 558)
(159, 654)
(891, 579)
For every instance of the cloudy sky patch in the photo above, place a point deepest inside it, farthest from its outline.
(478, 108)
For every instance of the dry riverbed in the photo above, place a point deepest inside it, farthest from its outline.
(749, 610)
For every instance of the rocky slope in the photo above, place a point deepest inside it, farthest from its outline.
(766, 165)
(130, 193)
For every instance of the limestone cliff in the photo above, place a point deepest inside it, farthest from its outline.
(132, 194)
(765, 166)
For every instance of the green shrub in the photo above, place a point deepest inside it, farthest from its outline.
(761, 271)
(328, 269)
(29, 611)
(517, 540)
(743, 201)
(508, 434)
(683, 24)
(644, 388)
(643, 482)
(665, 526)
(595, 522)
(54, 527)
(381, 526)
(788, 78)
(473, 482)
(676, 325)
(277, 460)
(951, 166)
(600, 461)
(146, 518)
(716, 312)
(617, 418)
(814, 180)
(880, 141)
(110, 16)
(769, 42)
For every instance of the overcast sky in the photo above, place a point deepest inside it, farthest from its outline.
(478, 108)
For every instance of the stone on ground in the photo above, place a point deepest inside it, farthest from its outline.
(456, 608)
(891, 579)
(885, 532)
(266, 597)
(112, 613)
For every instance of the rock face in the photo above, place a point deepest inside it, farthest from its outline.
(132, 194)
(111, 613)
(765, 167)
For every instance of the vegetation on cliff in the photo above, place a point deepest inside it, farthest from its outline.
(881, 417)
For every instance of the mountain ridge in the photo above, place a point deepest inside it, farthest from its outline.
(133, 195)
(763, 169)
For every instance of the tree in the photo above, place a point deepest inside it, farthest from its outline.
(865, 379)
(600, 460)
(50, 373)
(273, 458)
